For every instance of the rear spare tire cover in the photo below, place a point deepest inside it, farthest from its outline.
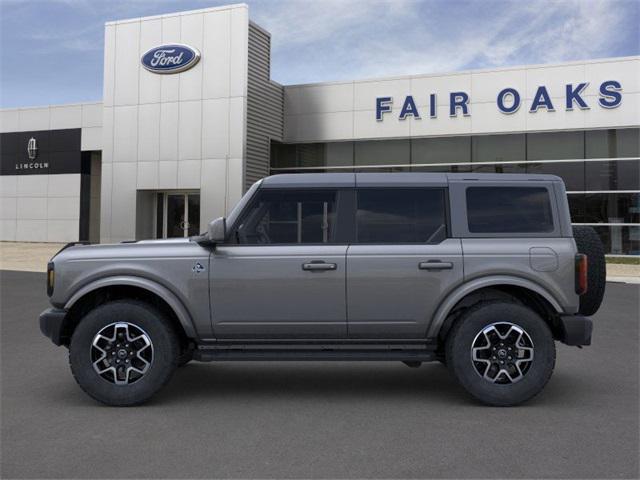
(588, 242)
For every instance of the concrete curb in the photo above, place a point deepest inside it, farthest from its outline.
(620, 279)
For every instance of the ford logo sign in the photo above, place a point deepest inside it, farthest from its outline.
(173, 58)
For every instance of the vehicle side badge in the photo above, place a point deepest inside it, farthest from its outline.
(197, 268)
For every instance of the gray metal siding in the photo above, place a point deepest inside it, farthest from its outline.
(265, 107)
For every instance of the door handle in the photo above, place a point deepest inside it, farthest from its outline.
(435, 265)
(319, 266)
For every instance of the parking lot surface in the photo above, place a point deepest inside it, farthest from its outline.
(320, 420)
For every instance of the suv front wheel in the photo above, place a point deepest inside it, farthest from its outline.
(123, 352)
(501, 353)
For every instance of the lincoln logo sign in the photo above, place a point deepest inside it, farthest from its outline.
(32, 149)
(32, 154)
(508, 101)
(172, 58)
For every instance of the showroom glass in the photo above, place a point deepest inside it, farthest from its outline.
(499, 148)
(440, 150)
(389, 152)
(509, 210)
(555, 145)
(289, 217)
(612, 143)
(175, 215)
(620, 240)
(612, 208)
(613, 175)
(397, 215)
(572, 173)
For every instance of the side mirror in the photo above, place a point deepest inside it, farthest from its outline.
(217, 230)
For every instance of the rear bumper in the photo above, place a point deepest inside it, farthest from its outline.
(575, 330)
(51, 324)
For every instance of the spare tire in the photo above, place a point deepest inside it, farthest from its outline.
(589, 243)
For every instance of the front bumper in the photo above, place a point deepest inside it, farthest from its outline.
(575, 330)
(52, 324)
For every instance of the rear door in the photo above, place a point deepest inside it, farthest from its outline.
(401, 263)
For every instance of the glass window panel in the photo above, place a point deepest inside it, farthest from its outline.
(499, 148)
(382, 152)
(613, 175)
(283, 155)
(194, 214)
(613, 143)
(555, 145)
(499, 168)
(382, 170)
(395, 215)
(509, 210)
(289, 217)
(175, 215)
(310, 155)
(339, 154)
(620, 240)
(159, 214)
(444, 169)
(577, 207)
(441, 150)
(612, 208)
(572, 173)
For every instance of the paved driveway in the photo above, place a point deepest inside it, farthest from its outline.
(318, 419)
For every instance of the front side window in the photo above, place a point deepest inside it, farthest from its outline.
(289, 217)
(397, 215)
(509, 210)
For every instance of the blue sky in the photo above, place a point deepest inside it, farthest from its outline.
(51, 51)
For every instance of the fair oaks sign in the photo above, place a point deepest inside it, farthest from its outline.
(508, 100)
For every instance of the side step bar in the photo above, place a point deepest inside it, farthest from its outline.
(293, 354)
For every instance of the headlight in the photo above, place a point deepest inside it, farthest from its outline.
(51, 276)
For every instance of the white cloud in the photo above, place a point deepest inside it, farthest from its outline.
(326, 40)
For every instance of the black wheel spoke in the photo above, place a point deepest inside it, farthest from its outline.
(121, 353)
(502, 353)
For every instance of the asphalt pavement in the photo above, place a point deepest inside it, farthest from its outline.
(318, 419)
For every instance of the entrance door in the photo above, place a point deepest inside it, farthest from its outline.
(178, 215)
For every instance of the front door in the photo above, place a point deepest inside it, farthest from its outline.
(178, 214)
(401, 264)
(282, 272)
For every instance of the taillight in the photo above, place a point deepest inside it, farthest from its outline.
(581, 273)
(51, 276)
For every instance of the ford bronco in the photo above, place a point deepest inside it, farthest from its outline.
(482, 272)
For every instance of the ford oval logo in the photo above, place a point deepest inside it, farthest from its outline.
(171, 58)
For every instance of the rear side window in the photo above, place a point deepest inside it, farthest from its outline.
(397, 215)
(509, 210)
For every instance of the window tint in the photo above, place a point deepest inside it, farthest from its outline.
(401, 215)
(509, 210)
(289, 216)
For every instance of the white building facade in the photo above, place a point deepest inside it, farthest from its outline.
(166, 152)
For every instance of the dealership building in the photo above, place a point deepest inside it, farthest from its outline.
(190, 118)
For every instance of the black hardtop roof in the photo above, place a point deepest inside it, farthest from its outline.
(397, 179)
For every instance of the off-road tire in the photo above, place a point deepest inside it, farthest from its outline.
(589, 243)
(458, 350)
(164, 341)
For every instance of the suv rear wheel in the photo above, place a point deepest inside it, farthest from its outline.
(123, 352)
(501, 353)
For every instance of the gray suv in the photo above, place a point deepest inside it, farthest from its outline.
(480, 272)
